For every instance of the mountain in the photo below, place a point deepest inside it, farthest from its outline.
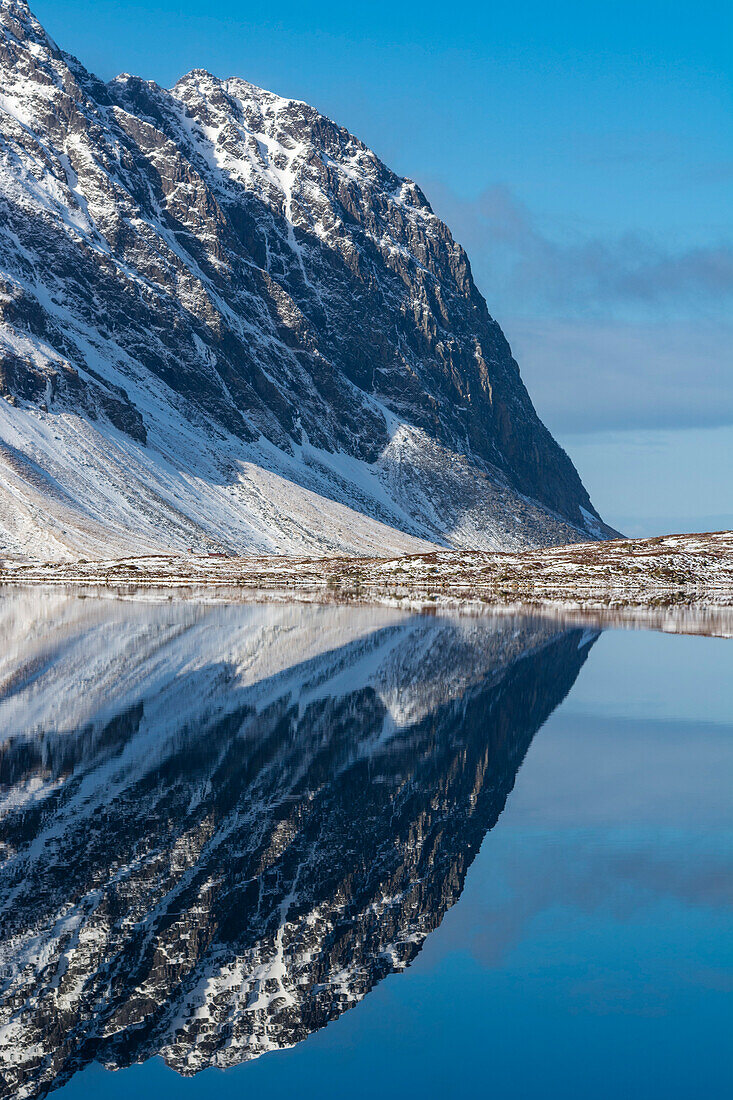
(221, 827)
(225, 323)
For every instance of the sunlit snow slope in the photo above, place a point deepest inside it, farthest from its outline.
(225, 323)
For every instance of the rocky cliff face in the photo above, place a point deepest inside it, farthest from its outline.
(245, 820)
(224, 320)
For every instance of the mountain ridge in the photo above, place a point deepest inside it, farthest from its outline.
(246, 332)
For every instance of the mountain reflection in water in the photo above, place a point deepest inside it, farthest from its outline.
(222, 826)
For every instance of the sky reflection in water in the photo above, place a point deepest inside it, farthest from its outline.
(587, 955)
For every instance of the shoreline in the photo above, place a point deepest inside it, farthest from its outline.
(678, 583)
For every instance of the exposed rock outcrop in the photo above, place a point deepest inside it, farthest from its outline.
(224, 320)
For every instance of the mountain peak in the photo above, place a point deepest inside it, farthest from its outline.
(17, 20)
(257, 335)
(17, 9)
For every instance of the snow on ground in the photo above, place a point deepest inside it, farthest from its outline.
(68, 487)
(681, 582)
(130, 302)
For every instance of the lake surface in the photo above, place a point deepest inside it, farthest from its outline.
(294, 851)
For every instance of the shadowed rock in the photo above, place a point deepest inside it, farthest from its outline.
(236, 281)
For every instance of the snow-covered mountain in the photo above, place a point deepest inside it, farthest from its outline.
(220, 827)
(224, 322)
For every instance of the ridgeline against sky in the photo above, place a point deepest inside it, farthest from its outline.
(226, 322)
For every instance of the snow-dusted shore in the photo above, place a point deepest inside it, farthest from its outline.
(676, 582)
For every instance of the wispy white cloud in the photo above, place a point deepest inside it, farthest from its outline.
(610, 334)
(519, 263)
(589, 375)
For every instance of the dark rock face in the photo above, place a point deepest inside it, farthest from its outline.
(220, 255)
(208, 862)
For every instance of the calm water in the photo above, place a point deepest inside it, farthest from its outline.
(307, 852)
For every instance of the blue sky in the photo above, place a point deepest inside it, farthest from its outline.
(583, 155)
